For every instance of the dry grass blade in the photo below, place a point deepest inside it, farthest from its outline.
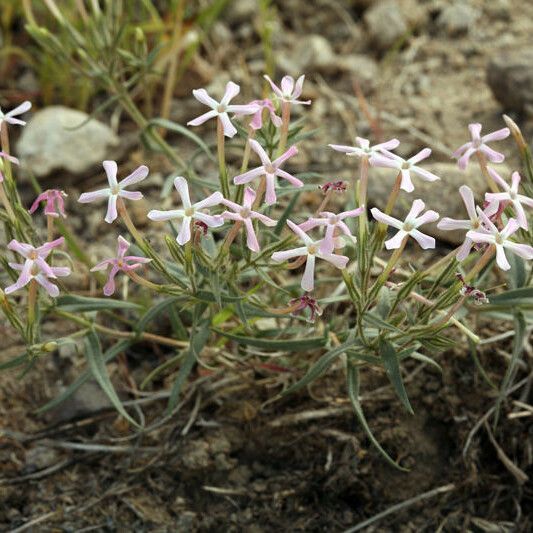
(520, 476)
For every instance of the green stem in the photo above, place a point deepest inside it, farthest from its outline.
(222, 170)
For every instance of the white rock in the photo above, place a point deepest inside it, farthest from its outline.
(53, 140)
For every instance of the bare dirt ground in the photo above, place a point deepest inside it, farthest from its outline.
(225, 461)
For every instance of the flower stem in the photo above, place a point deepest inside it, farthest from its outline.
(383, 277)
(50, 228)
(324, 203)
(239, 191)
(361, 194)
(442, 261)
(222, 171)
(284, 130)
(142, 281)
(483, 260)
(32, 302)
(6, 203)
(485, 171)
(391, 202)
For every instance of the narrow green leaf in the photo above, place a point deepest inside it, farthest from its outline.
(392, 366)
(286, 214)
(82, 304)
(319, 367)
(374, 320)
(523, 295)
(182, 130)
(93, 354)
(517, 274)
(286, 345)
(13, 363)
(154, 312)
(198, 339)
(518, 348)
(109, 355)
(353, 393)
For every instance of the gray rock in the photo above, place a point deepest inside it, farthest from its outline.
(457, 18)
(52, 140)
(87, 400)
(241, 11)
(385, 23)
(312, 52)
(510, 77)
(442, 196)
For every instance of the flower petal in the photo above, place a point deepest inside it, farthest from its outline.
(135, 177)
(161, 216)
(213, 199)
(251, 237)
(111, 214)
(259, 150)
(282, 158)
(395, 242)
(249, 176)
(293, 180)
(420, 156)
(184, 236)
(131, 195)
(386, 219)
(497, 135)
(87, 197)
(308, 279)
(285, 255)
(202, 118)
(424, 240)
(232, 90)
(111, 170)
(202, 96)
(501, 258)
(229, 128)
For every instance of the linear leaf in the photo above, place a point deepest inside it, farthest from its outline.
(93, 353)
(196, 345)
(82, 304)
(392, 366)
(319, 367)
(286, 345)
(353, 393)
(518, 348)
(154, 312)
(514, 297)
(109, 355)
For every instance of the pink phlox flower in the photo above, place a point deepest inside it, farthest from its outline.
(9, 158)
(473, 222)
(409, 226)
(478, 144)
(289, 90)
(311, 250)
(337, 186)
(35, 266)
(115, 189)
(257, 119)
(488, 233)
(222, 108)
(511, 194)
(120, 263)
(9, 116)
(190, 211)
(269, 169)
(363, 148)
(306, 302)
(55, 204)
(405, 166)
(244, 214)
(332, 222)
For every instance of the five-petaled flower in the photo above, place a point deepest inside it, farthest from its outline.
(54, 203)
(244, 214)
(512, 195)
(190, 211)
(115, 189)
(478, 144)
(311, 251)
(363, 148)
(257, 119)
(332, 222)
(121, 263)
(409, 226)
(405, 166)
(222, 108)
(11, 159)
(9, 117)
(289, 90)
(35, 266)
(474, 222)
(269, 169)
(488, 233)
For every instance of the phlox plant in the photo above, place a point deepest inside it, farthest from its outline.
(241, 266)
